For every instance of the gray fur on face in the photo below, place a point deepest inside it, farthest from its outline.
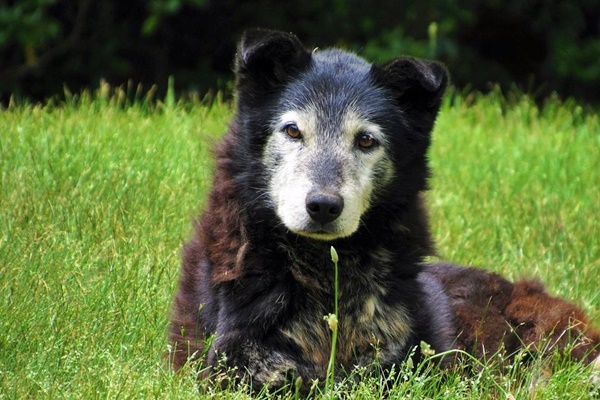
(329, 112)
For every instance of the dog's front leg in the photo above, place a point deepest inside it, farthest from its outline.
(257, 363)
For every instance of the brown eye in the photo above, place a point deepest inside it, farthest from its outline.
(365, 141)
(292, 131)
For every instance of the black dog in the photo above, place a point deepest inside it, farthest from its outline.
(325, 150)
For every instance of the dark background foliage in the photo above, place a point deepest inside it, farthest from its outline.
(539, 45)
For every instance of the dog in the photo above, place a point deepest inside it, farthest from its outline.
(326, 149)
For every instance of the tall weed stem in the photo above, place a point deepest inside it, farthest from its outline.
(332, 321)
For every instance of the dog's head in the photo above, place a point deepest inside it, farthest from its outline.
(335, 134)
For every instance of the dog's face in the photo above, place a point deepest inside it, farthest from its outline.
(326, 153)
(334, 131)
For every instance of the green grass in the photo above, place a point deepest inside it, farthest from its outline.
(96, 199)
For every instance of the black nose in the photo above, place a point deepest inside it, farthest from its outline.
(324, 207)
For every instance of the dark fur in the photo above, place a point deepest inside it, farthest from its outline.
(492, 312)
(264, 291)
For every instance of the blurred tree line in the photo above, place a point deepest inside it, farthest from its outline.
(540, 45)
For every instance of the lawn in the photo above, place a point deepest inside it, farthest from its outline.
(97, 196)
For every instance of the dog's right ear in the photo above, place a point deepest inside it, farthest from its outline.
(267, 59)
(417, 87)
(416, 84)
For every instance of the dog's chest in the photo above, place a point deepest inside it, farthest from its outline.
(368, 328)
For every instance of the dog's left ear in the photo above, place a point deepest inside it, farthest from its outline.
(267, 59)
(417, 85)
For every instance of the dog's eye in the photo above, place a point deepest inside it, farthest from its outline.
(292, 131)
(365, 141)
